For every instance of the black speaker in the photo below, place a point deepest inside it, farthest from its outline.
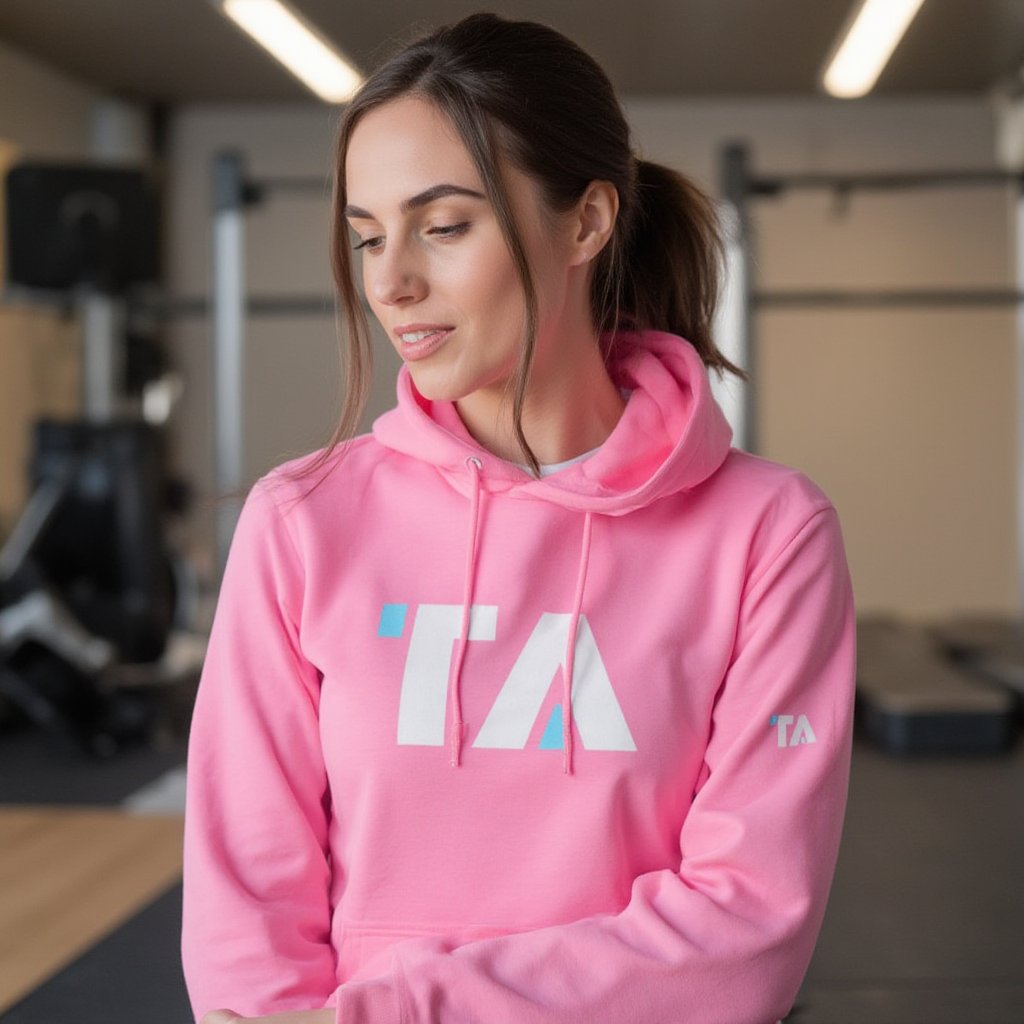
(70, 224)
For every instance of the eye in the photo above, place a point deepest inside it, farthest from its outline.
(373, 244)
(450, 230)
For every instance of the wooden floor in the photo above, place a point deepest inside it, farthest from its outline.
(69, 876)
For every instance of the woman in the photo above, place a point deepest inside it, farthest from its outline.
(534, 704)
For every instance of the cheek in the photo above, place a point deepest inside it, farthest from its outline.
(492, 284)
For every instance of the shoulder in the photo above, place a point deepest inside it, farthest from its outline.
(768, 484)
(756, 488)
(306, 498)
(776, 503)
(328, 473)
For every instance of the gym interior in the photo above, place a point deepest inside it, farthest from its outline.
(168, 333)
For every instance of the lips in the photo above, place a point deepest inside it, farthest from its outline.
(421, 340)
(411, 334)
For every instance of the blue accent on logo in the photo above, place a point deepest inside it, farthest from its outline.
(774, 720)
(552, 738)
(392, 620)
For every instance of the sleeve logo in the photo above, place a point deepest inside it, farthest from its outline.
(800, 733)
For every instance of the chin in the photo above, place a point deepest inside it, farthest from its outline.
(436, 387)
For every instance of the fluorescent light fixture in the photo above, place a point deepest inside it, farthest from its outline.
(870, 38)
(290, 39)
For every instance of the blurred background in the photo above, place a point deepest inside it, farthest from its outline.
(168, 332)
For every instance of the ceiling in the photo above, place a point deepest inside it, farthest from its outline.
(184, 51)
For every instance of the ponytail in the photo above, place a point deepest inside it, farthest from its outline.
(663, 272)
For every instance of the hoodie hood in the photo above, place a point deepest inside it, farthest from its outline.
(671, 436)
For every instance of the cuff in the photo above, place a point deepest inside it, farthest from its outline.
(369, 1002)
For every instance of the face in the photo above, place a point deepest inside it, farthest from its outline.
(436, 269)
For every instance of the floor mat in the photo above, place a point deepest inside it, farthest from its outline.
(134, 974)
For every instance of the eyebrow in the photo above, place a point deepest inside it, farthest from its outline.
(423, 198)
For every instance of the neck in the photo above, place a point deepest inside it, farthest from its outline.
(571, 405)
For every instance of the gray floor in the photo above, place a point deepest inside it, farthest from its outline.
(926, 920)
(925, 924)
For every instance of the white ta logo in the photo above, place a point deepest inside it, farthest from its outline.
(421, 714)
(803, 733)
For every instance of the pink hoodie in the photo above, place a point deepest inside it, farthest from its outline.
(391, 809)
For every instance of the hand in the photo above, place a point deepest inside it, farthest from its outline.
(289, 1017)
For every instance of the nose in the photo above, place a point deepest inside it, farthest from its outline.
(395, 280)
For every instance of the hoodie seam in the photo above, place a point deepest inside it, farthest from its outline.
(262, 488)
(818, 510)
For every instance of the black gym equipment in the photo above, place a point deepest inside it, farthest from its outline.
(87, 584)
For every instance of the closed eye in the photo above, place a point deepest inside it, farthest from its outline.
(450, 230)
(372, 244)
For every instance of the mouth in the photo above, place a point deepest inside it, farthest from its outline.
(410, 335)
(420, 340)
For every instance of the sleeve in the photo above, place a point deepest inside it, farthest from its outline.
(256, 916)
(727, 937)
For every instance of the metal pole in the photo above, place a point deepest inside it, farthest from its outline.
(729, 326)
(228, 293)
(102, 353)
(736, 317)
(1019, 256)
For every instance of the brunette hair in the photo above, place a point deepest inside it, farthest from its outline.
(521, 91)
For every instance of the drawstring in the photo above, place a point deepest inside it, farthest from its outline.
(455, 682)
(570, 649)
(455, 739)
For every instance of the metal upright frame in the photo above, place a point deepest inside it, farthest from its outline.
(233, 192)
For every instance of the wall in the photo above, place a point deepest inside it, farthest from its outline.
(906, 417)
(887, 410)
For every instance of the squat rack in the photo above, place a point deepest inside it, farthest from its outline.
(740, 187)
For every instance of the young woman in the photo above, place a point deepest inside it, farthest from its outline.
(534, 704)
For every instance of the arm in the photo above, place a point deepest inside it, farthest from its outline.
(256, 923)
(727, 937)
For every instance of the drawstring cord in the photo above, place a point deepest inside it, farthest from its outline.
(455, 683)
(568, 662)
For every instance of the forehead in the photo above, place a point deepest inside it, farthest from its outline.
(401, 147)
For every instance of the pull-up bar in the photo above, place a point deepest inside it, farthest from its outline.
(773, 185)
(895, 299)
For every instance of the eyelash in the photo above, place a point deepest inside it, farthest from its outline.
(443, 231)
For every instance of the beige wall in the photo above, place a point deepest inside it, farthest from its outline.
(43, 111)
(905, 417)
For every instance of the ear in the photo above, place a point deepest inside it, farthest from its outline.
(594, 221)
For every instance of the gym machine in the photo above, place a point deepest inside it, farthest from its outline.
(89, 590)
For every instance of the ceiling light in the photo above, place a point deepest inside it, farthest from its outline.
(289, 38)
(867, 44)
